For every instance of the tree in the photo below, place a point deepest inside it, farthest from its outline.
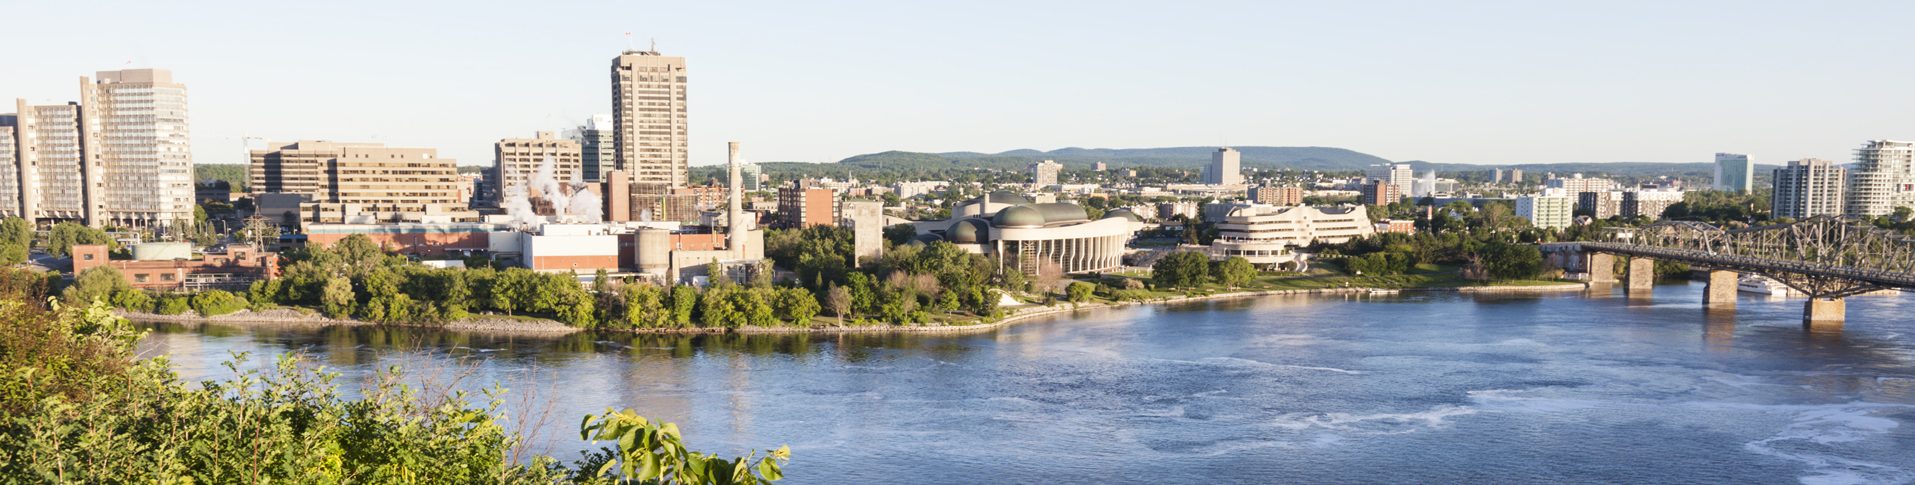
(133, 300)
(839, 299)
(898, 234)
(337, 297)
(1507, 261)
(1079, 292)
(172, 305)
(65, 235)
(98, 283)
(16, 239)
(1181, 269)
(1235, 271)
(684, 299)
(798, 305)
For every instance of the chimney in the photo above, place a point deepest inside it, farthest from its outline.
(735, 215)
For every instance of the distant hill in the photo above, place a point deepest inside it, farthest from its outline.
(1307, 158)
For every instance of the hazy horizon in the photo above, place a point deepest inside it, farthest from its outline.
(1475, 82)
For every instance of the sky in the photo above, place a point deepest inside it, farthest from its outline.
(1449, 81)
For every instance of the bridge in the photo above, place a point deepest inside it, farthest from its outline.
(1826, 258)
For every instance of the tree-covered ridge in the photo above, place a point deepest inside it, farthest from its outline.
(1310, 158)
(233, 173)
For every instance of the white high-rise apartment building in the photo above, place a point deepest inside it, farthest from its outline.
(1883, 178)
(1044, 174)
(1734, 173)
(1226, 167)
(144, 147)
(518, 161)
(648, 109)
(1551, 209)
(120, 155)
(1577, 184)
(1808, 188)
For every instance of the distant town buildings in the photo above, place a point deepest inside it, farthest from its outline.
(1516, 176)
(908, 190)
(1276, 195)
(1268, 235)
(1226, 167)
(754, 176)
(1044, 173)
(1734, 173)
(120, 155)
(1550, 209)
(648, 111)
(1099, 166)
(1882, 178)
(1808, 188)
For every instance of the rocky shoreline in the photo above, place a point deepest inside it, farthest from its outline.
(526, 326)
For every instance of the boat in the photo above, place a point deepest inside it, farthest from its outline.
(1763, 285)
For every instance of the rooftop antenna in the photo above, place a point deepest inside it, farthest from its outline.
(654, 45)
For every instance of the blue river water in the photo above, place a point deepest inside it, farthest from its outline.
(1570, 388)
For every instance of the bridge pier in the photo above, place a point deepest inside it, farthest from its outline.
(1642, 274)
(1821, 314)
(1720, 292)
(1602, 268)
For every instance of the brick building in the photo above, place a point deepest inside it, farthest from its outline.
(235, 268)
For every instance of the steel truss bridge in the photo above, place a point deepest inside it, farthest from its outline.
(1827, 258)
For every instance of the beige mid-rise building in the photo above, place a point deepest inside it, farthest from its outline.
(648, 110)
(119, 155)
(517, 161)
(360, 182)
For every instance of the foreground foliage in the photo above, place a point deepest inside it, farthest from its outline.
(77, 407)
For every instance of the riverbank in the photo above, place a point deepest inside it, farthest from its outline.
(531, 326)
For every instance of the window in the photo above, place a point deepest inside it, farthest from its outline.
(87, 256)
(140, 278)
(166, 277)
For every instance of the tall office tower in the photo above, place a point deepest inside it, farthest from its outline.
(1396, 174)
(1808, 188)
(1226, 167)
(9, 168)
(144, 148)
(517, 162)
(648, 111)
(1496, 176)
(598, 150)
(1516, 176)
(1044, 174)
(50, 161)
(1883, 178)
(1734, 173)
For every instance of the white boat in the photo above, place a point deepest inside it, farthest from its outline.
(1763, 285)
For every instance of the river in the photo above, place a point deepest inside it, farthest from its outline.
(1415, 388)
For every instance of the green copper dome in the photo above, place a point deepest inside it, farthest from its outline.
(1018, 216)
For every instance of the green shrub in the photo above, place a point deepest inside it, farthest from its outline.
(133, 300)
(172, 305)
(212, 303)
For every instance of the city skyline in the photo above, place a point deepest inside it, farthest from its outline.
(1647, 82)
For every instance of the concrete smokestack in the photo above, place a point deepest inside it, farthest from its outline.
(735, 215)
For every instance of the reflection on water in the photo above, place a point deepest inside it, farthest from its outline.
(1605, 387)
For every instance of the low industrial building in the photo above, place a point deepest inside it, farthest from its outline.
(171, 266)
(1269, 235)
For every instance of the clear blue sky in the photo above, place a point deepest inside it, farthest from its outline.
(1487, 82)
